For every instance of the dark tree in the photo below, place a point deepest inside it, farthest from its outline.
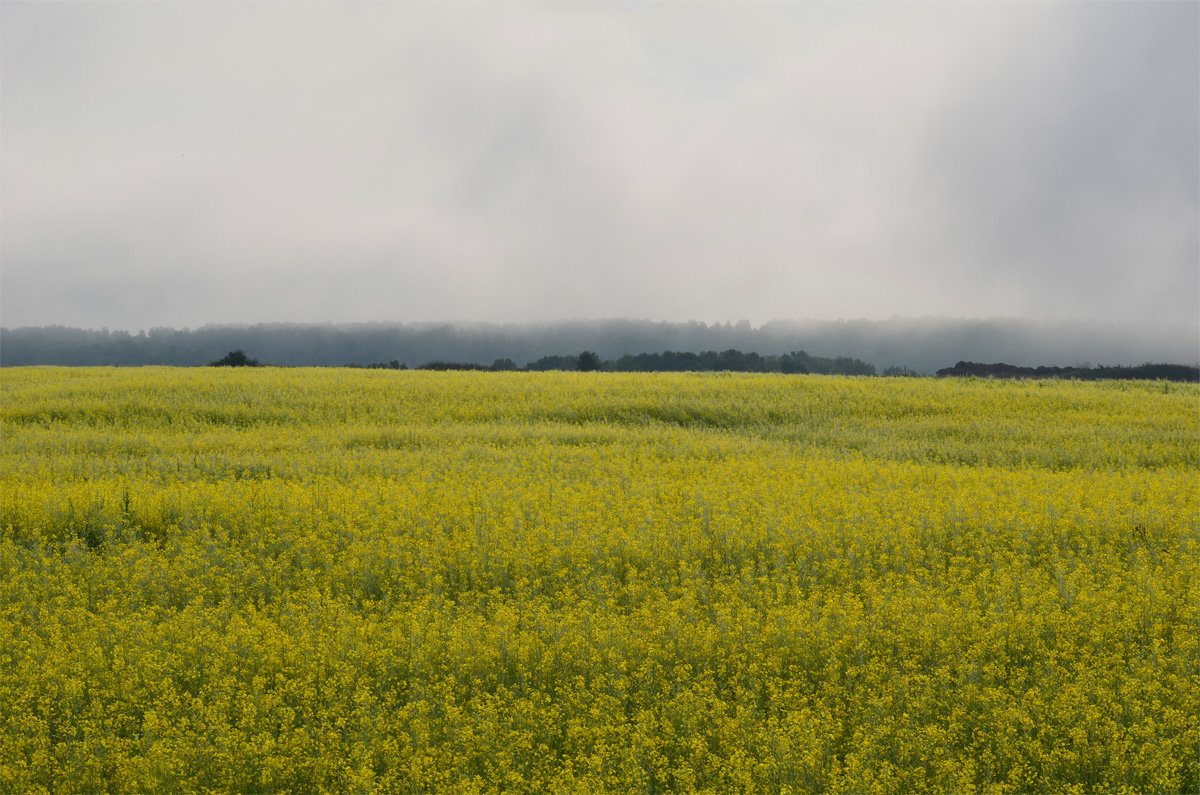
(589, 361)
(554, 363)
(440, 365)
(236, 358)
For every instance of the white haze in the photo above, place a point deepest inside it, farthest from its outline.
(177, 164)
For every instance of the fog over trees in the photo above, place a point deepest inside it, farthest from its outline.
(922, 346)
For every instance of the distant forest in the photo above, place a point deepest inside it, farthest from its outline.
(674, 361)
(1145, 372)
(899, 346)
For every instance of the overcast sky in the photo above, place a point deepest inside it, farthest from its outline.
(176, 164)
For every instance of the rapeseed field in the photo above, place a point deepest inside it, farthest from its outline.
(272, 580)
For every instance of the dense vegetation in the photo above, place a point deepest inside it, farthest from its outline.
(1145, 372)
(708, 362)
(797, 362)
(236, 358)
(270, 579)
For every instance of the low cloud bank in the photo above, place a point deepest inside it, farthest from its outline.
(920, 345)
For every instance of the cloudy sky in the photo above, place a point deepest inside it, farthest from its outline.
(176, 164)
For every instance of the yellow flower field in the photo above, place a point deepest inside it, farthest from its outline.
(271, 580)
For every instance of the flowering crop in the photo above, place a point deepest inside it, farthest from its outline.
(345, 580)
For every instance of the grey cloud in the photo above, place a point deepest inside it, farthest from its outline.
(1069, 175)
(178, 164)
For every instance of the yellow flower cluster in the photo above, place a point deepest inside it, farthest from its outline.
(270, 580)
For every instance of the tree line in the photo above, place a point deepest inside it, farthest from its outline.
(893, 347)
(668, 361)
(797, 362)
(1143, 372)
(730, 360)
